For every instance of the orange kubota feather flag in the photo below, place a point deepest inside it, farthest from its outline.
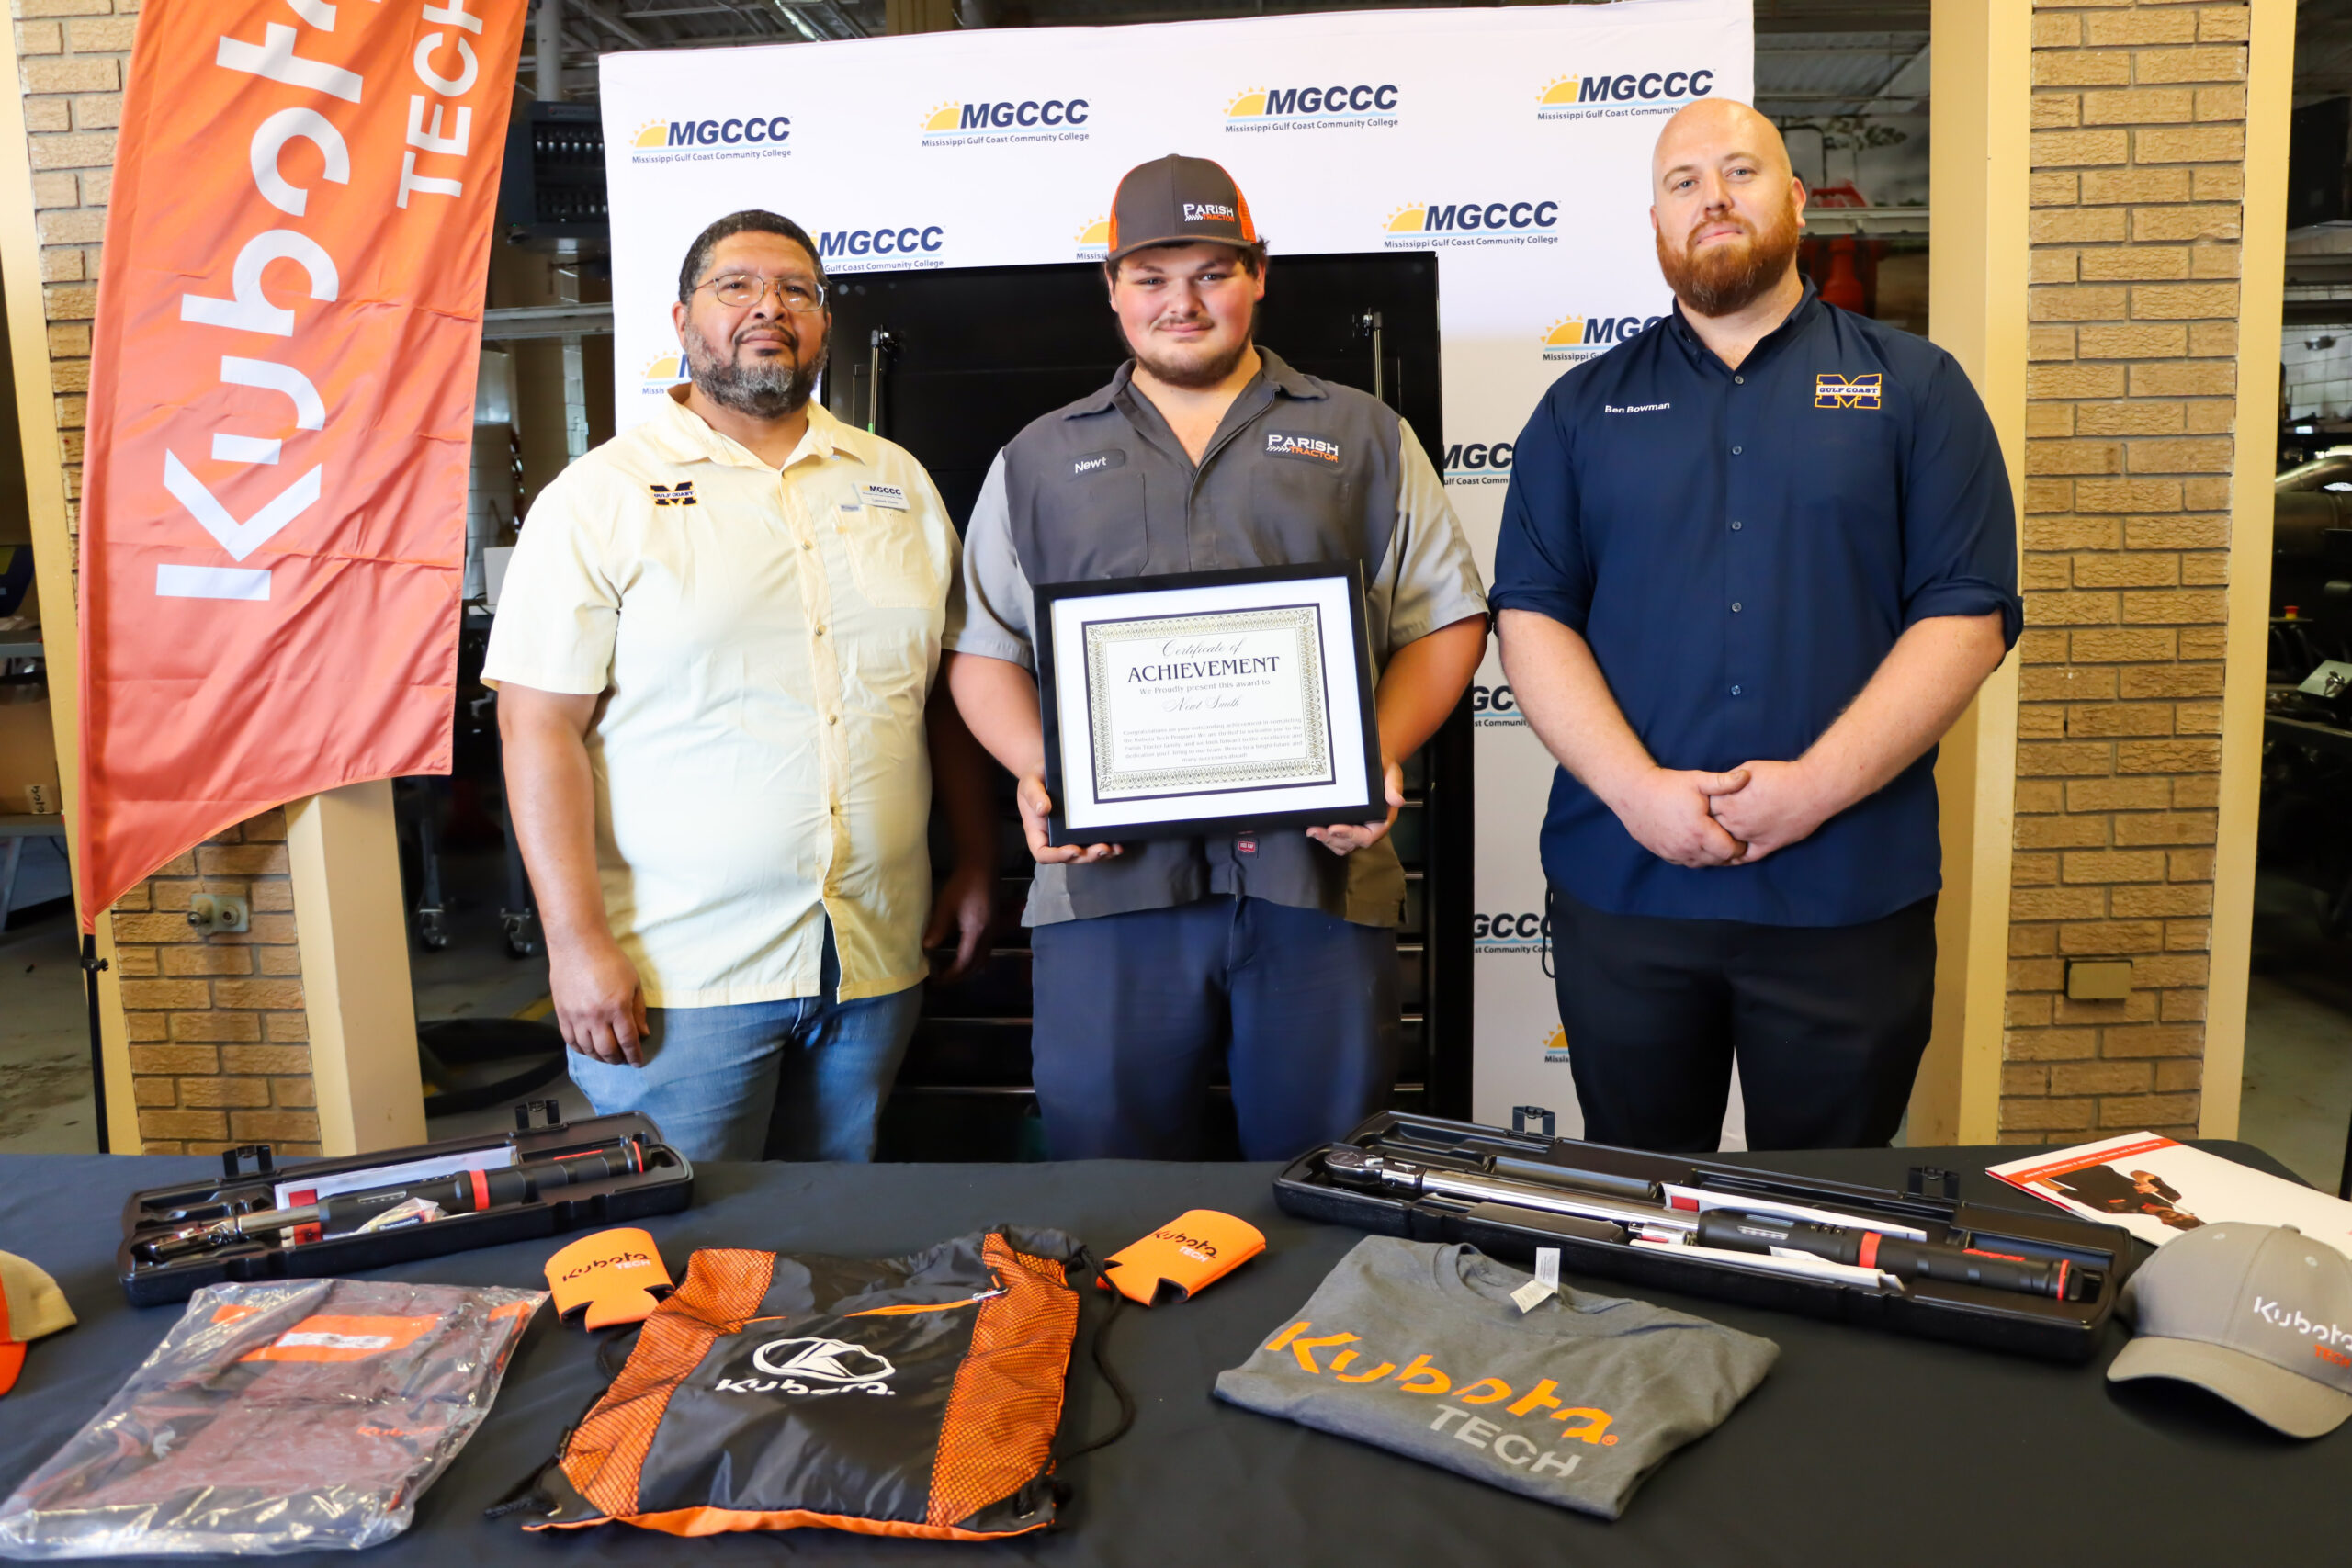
(281, 410)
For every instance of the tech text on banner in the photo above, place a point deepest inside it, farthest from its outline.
(280, 410)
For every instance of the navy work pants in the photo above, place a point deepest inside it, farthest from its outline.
(1135, 1010)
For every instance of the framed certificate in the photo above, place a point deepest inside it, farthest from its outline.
(1208, 702)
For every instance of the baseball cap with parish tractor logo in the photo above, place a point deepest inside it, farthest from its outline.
(2258, 1314)
(1178, 200)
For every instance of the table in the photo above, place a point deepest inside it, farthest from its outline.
(1860, 1447)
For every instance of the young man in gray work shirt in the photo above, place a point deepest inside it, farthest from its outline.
(1275, 950)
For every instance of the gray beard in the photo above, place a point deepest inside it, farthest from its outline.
(772, 389)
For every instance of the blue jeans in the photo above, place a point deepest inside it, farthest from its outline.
(714, 1076)
(1134, 1011)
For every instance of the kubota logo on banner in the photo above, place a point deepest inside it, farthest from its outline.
(1325, 107)
(280, 411)
(1602, 96)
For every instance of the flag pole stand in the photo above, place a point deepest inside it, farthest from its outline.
(91, 965)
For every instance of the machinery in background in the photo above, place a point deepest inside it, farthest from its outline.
(32, 825)
(475, 790)
(551, 195)
(2306, 822)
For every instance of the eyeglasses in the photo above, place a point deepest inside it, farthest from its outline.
(738, 290)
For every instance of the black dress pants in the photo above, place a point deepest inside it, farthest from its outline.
(1828, 1024)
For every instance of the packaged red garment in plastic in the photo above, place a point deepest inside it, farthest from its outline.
(275, 1418)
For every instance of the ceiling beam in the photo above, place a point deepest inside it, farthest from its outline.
(610, 23)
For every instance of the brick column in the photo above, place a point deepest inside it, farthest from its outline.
(2138, 174)
(216, 1023)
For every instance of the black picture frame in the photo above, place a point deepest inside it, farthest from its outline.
(1350, 573)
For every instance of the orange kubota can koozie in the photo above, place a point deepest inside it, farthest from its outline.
(908, 1396)
(613, 1277)
(1186, 1257)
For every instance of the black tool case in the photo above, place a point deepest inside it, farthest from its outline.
(249, 1178)
(1964, 1314)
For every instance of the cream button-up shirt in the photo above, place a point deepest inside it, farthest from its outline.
(765, 643)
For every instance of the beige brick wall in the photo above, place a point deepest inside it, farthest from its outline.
(216, 1023)
(2138, 172)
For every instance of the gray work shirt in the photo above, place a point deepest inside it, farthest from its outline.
(1299, 472)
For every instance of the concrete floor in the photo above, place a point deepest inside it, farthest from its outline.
(45, 1103)
(2298, 1080)
(475, 976)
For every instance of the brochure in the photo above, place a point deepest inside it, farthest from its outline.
(2157, 1190)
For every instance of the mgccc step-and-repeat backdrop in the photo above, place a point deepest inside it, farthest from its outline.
(1514, 142)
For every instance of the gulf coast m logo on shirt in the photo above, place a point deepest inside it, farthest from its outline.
(1831, 390)
(1420, 1376)
(679, 494)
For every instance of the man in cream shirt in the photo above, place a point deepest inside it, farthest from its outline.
(715, 652)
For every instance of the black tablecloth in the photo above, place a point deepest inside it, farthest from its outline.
(1858, 1447)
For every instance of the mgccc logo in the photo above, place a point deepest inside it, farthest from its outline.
(1606, 95)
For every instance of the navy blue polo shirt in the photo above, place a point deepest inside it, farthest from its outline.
(1741, 548)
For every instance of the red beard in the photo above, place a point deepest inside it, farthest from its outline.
(1727, 277)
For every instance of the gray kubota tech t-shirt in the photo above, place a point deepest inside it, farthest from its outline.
(1418, 1347)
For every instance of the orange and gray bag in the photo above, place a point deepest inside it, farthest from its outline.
(908, 1396)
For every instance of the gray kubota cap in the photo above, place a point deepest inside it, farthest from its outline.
(2257, 1314)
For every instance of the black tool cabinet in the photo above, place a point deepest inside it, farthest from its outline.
(951, 364)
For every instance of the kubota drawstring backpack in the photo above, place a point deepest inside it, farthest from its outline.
(911, 1396)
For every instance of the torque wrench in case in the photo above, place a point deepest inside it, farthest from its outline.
(467, 1193)
(1857, 1243)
